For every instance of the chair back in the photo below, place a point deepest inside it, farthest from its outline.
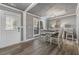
(68, 28)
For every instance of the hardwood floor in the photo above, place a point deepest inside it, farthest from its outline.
(34, 47)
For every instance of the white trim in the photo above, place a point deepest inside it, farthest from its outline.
(11, 7)
(64, 16)
(24, 25)
(29, 39)
(77, 8)
(56, 17)
(33, 28)
(39, 26)
(36, 35)
(9, 12)
(33, 15)
(31, 6)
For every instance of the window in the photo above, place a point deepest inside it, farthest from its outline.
(10, 23)
(36, 25)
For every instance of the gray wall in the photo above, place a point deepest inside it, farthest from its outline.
(69, 20)
(29, 26)
(66, 20)
(15, 11)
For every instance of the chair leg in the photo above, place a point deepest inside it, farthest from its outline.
(72, 38)
(42, 38)
(50, 41)
(58, 42)
(66, 36)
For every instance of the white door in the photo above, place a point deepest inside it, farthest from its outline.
(10, 28)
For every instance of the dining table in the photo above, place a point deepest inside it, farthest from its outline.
(49, 32)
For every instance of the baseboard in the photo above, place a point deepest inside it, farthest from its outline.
(28, 40)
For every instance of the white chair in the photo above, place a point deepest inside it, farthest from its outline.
(57, 37)
(68, 40)
(69, 34)
(43, 35)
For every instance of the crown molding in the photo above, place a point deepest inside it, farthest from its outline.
(31, 6)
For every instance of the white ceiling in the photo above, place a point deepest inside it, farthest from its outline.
(21, 6)
(53, 9)
(47, 9)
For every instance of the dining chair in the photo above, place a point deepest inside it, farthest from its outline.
(56, 37)
(69, 42)
(43, 35)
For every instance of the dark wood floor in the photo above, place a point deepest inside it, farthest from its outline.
(34, 47)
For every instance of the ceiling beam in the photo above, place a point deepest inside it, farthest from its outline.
(33, 15)
(65, 16)
(11, 7)
(31, 6)
(58, 17)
